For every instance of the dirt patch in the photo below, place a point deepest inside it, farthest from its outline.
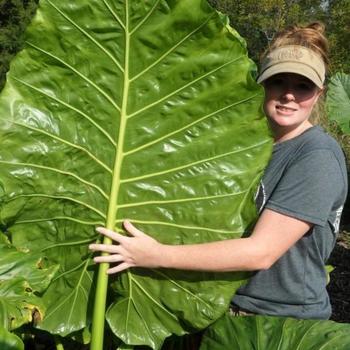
(339, 286)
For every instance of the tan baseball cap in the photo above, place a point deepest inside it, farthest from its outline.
(294, 59)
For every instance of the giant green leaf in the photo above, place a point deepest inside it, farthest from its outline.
(275, 333)
(338, 100)
(9, 341)
(144, 110)
(32, 267)
(18, 303)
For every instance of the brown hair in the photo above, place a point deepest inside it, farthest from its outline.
(313, 37)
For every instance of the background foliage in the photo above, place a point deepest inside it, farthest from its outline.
(258, 21)
(15, 15)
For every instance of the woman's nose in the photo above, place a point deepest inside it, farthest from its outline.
(288, 95)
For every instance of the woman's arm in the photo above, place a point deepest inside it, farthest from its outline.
(272, 236)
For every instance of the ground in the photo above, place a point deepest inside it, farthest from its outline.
(339, 286)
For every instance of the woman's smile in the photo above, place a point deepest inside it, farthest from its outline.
(289, 100)
(285, 109)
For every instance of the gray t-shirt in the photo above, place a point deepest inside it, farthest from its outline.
(305, 179)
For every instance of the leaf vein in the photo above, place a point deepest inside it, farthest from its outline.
(65, 142)
(143, 320)
(58, 197)
(90, 37)
(180, 226)
(92, 223)
(281, 337)
(171, 49)
(180, 200)
(182, 87)
(182, 288)
(142, 177)
(76, 290)
(153, 300)
(187, 126)
(75, 71)
(59, 172)
(145, 18)
(307, 331)
(69, 244)
(114, 14)
(330, 340)
(67, 296)
(70, 271)
(63, 103)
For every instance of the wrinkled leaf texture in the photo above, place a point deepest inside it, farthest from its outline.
(338, 100)
(275, 333)
(145, 110)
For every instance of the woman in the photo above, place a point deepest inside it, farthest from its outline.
(300, 198)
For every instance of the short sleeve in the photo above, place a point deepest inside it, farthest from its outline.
(310, 188)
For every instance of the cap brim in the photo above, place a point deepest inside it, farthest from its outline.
(293, 67)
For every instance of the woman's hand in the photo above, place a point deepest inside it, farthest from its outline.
(138, 250)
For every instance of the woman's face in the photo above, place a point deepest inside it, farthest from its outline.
(289, 99)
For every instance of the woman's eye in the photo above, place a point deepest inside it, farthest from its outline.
(304, 87)
(274, 82)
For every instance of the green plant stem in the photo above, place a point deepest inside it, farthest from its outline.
(98, 320)
(58, 343)
(102, 279)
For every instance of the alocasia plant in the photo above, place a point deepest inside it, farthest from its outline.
(338, 100)
(275, 333)
(10, 341)
(22, 276)
(145, 110)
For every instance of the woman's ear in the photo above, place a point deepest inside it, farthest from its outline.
(320, 93)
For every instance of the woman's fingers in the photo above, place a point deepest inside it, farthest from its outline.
(109, 258)
(111, 234)
(132, 229)
(118, 237)
(106, 248)
(119, 268)
(115, 258)
(137, 249)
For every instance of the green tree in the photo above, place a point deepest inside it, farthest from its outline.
(338, 26)
(258, 21)
(14, 17)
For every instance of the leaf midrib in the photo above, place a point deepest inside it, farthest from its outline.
(113, 207)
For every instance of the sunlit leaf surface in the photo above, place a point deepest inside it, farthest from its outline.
(144, 110)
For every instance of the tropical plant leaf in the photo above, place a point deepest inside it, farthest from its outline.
(275, 333)
(144, 110)
(18, 303)
(32, 267)
(22, 276)
(338, 100)
(10, 341)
